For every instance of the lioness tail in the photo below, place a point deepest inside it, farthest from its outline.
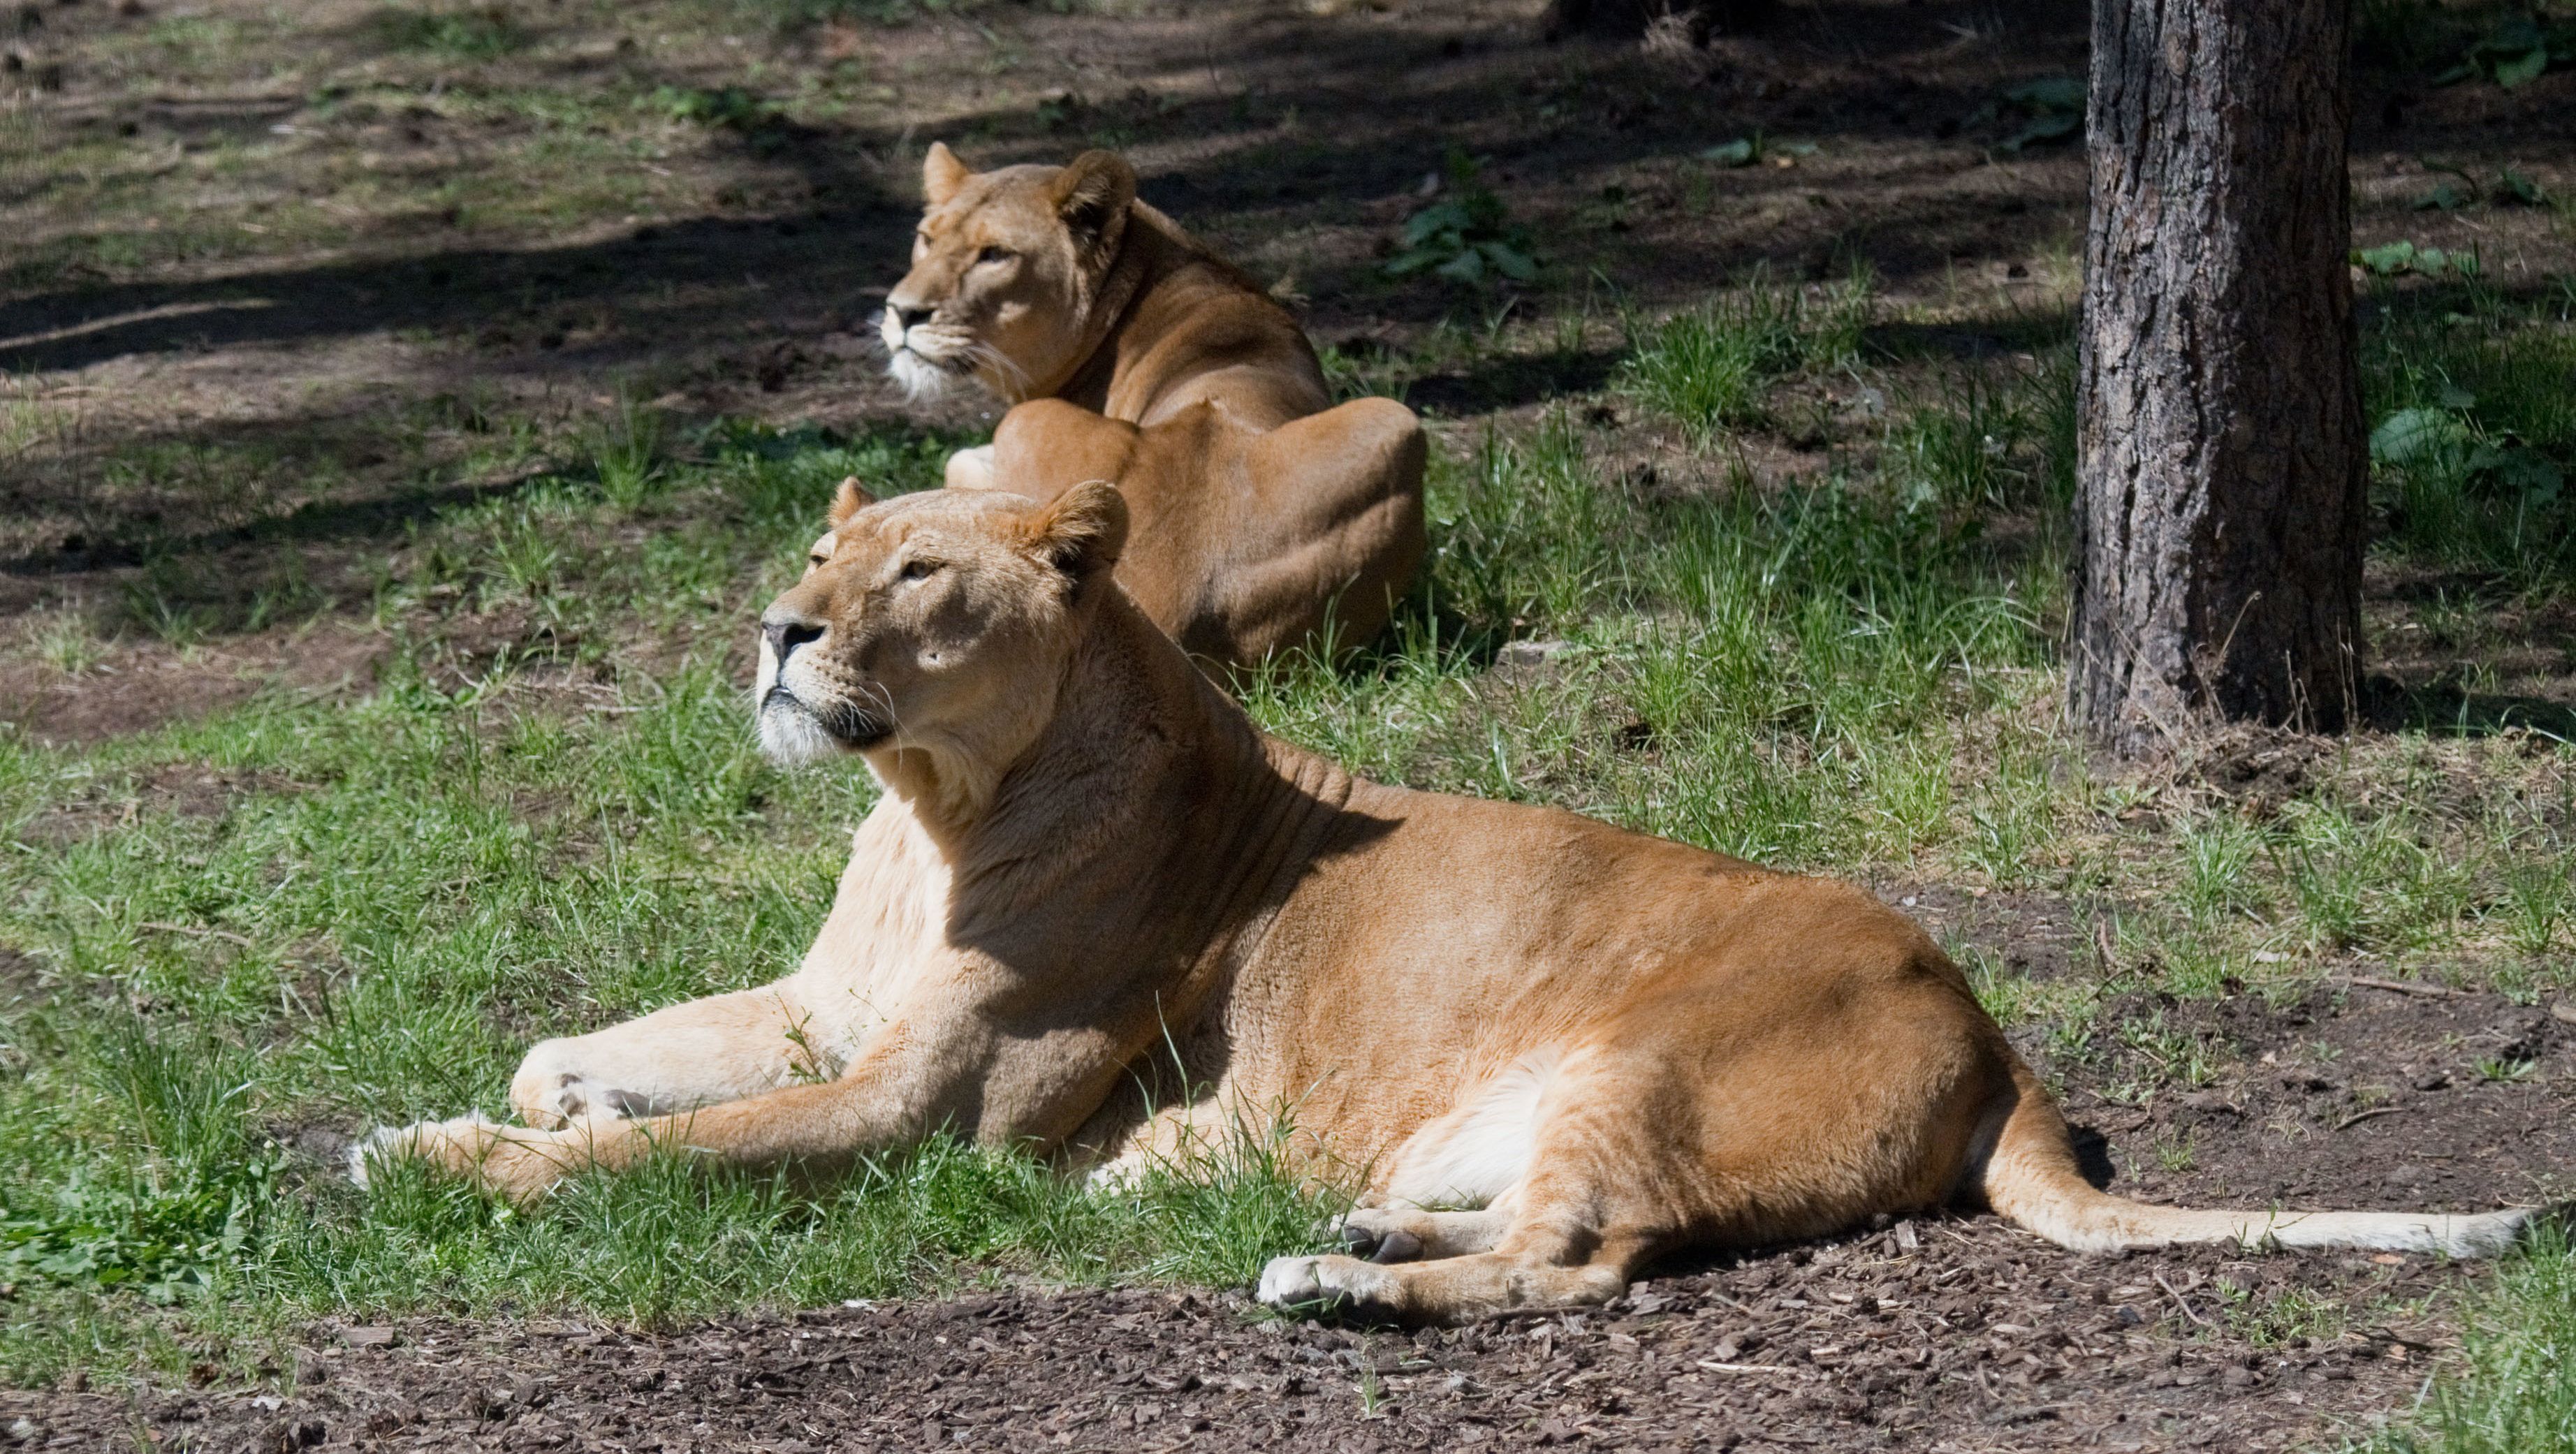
(2030, 1176)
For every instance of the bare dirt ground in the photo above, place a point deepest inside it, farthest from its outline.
(1923, 1337)
(336, 299)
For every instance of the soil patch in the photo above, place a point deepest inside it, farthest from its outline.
(1956, 1335)
(147, 684)
(2355, 1097)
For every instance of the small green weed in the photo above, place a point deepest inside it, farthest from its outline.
(481, 33)
(1965, 449)
(1372, 1391)
(2397, 259)
(2473, 449)
(2280, 1319)
(2051, 108)
(2178, 1156)
(167, 1220)
(728, 108)
(2220, 855)
(2170, 1054)
(2539, 900)
(1466, 237)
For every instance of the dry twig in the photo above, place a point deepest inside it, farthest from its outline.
(2182, 1302)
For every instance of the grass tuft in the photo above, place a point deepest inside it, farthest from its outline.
(1710, 369)
(2514, 1391)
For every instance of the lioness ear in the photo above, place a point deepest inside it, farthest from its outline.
(1083, 530)
(1092, 194)
(941, 174)
(849, 500)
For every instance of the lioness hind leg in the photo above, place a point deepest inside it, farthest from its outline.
(692, 1054)
(1343, 536)
(1449, 1290)
(1547, 1254)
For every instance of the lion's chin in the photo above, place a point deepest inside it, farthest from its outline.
(921, 379)
(790, 734)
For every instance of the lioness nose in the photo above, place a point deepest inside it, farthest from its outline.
(909, 317)
(786, 636)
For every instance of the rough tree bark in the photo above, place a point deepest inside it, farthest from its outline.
(2223, 458)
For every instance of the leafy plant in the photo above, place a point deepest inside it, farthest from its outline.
(2445, 438)
(1467, 236)
(730, 108)
(2399, 258)
(2515, 53)
(2447, 196)
(2052, 109)
(2521, 191)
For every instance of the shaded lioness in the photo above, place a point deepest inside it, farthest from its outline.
(1553, 1047)
(1262, 516)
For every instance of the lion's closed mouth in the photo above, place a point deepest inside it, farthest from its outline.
(843, 723)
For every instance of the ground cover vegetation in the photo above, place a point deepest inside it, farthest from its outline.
(353, 751)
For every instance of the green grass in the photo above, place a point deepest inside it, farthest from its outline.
(1709, 368)
(2513, 1390)
(476, 34)
(1853, 672)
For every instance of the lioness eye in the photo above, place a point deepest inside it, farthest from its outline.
(817, 559)
(914, 570)
(993, 255)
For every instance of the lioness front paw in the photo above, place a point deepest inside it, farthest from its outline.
(1330, 1283)
(512, 1163)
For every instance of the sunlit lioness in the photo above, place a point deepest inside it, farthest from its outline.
(1264, 519)
(1548, 1047)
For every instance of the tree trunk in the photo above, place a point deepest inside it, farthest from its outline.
(2223, 458)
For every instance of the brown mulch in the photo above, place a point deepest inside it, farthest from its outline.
(1950, 1336)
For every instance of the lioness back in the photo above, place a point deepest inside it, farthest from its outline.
(1265, 518)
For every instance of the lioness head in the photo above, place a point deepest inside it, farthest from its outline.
(1006, 268)
(934, 622)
